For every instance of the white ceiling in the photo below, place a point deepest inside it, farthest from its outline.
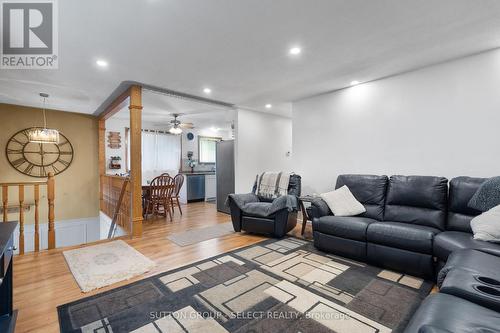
(158, 109)
(238, 48)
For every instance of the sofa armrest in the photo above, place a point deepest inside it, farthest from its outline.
(235, 203)
(243, 199)
(289, 202)
(318, 209)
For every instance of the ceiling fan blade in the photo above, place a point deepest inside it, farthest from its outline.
(187, 125)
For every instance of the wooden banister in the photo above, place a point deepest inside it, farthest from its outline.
(118, 208)
(51, 197)
(116, 201)
(21, 186)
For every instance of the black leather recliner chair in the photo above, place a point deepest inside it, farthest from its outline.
(277, 224)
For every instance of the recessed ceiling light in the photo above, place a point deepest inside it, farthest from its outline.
(207, 91)
(295, 50)
(268, 106)
(353, 83)
(102, 63)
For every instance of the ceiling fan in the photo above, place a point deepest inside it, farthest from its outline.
(177, 126)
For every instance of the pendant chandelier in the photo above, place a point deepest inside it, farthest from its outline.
(43, 135)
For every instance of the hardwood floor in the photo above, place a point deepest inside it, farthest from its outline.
(42, 281)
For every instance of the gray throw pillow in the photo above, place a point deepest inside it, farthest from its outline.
(487, 196)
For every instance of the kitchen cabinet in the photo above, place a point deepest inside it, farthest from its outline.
(210, 188)
(198, 187)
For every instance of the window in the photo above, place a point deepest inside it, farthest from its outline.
(161, 152)
(206, 149)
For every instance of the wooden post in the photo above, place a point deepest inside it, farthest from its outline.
(21, 219)
(50, 197)
(37, 217)
(5, 201)
(135, 108)
(102, 160)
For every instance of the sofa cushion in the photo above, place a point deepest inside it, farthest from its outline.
(369, 190)
(445, 313)
(261, 209)
(346, 227)
(449, 241)
(404, 236)
(462, 189)
(417, 200)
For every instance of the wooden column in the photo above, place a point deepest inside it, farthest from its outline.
(21, 219)
(37, 217)
(5, 201)
(102, 160)
(135, 108)
(50, 197)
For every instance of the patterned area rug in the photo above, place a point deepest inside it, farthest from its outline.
(100, 265)
(274, 286)
(201, 234)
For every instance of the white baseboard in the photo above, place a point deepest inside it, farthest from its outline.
(68, 233)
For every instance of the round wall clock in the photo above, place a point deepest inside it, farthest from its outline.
(38, 159)
(190, 136)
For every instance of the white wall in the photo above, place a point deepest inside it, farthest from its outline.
(261, 144)
(68, 233)
(116, 125)
(192, 145)
(441, 120)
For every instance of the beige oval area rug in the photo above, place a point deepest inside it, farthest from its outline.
(101, 265)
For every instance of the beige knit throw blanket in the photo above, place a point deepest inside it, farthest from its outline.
(273, 184)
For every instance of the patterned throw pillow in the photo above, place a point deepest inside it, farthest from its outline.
(487, 196)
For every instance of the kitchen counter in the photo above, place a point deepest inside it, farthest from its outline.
(197, 173)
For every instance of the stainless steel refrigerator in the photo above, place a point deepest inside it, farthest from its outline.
(224, 173)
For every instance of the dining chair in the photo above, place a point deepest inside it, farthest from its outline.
(160, 192)
(174, 199)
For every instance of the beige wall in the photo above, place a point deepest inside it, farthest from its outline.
(77, 188)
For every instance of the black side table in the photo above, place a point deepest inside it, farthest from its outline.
(305, 217)
(7, 314)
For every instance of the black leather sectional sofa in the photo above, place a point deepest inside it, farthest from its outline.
(421, 226)
(411, 224)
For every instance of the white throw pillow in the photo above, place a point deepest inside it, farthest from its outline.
(342, 202)
(486, 227)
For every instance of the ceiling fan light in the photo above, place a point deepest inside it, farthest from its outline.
(43, 135)
(175, 130)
